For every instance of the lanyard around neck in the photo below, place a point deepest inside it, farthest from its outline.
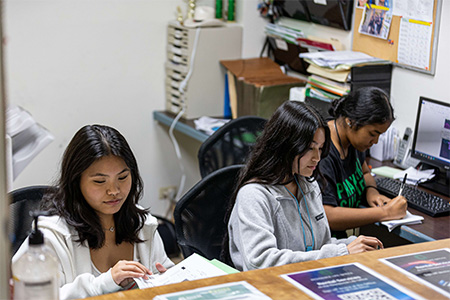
(308, 248)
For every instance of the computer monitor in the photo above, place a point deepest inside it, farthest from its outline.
(431, 143)
(333, 13)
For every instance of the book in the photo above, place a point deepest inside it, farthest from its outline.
(336, 75)
(192, 268)
(330, 86)
(409, 219)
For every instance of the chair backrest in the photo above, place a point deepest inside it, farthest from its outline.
(230, 144)
(166, 230)
(23, 200)
(199, 214)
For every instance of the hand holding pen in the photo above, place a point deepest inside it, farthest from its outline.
(403, 185)
(396, 208)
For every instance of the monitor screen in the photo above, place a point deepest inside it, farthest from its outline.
(431, 143)
(432, 135)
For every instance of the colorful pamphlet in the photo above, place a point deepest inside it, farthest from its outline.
(234, 290)
(431, 268)
(349, 281)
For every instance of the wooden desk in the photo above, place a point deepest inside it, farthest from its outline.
(431, 228)
(270, 283)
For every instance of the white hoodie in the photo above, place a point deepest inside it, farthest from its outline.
(75, 276)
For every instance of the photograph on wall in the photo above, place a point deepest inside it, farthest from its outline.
(349, 281)
(376, 21)
(362, 3)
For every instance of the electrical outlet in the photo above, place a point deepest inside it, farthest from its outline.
(168, 193)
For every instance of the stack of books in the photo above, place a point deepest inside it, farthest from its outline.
(331, 72)
(325, 89)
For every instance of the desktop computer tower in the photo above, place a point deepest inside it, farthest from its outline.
(204, 91)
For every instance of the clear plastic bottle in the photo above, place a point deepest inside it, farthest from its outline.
(35, 273)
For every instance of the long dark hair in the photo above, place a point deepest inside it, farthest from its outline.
(289, 133)
(364, 106)
(88, 145)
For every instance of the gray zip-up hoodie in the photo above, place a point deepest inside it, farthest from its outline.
(265, 228)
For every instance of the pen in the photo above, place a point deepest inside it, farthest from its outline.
(403, 184)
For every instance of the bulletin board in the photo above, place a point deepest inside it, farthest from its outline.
(389, 48)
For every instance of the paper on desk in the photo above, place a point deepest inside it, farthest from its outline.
(415, 175)
(192, 268)
(409, 219)
(227, 291)
(209, 125)
(386, 171)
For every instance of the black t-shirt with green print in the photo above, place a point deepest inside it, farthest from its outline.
(345, 180)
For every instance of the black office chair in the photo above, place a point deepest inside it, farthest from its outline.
(230, 144)
(166, 230)
(199, 214)
(23, 201)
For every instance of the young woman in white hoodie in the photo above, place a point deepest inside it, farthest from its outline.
(102, 237)
(276, 216)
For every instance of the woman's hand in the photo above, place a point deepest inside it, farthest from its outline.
(124, 271)
(160, 268)
(395, 209)
(364, 243)
(378, 200)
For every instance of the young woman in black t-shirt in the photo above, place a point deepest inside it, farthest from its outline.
(358, 120)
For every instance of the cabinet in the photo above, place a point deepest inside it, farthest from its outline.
(204, 91)
(372, 75)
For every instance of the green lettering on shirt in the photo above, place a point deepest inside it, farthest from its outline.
(353, 186)
(340, 189)
(350, 187)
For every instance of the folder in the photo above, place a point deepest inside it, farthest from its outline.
(259, 85)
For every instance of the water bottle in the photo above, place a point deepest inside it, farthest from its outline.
(35, 273)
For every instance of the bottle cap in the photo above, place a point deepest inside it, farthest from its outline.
(36, 236)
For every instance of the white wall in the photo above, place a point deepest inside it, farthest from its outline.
(71, 63)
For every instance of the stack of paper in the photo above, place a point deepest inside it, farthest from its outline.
(384, 149)
(286, 33)
(337, 75)
(415, 176)
(341, 60)
(409, 219)
(192, 268)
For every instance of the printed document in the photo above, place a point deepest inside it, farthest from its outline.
(192, 268)
(234, 290)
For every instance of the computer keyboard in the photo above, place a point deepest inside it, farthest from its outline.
(425, 202)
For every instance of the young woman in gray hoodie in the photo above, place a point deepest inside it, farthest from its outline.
(276, 216)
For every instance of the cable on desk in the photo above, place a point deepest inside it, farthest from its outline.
(178, 153)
